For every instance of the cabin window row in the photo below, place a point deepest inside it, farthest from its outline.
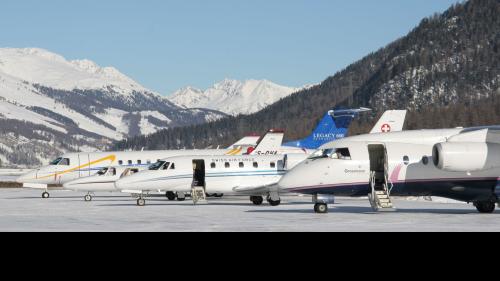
(243, 165)
(132, 162)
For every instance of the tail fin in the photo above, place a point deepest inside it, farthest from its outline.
(391, 121)
(248, 141)
(270, 143)
(334, 125)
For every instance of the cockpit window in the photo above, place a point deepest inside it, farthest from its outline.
(64, 162)
(333, 153)
(102, 171)
(165, 167)
(55, 162)
(156, 166)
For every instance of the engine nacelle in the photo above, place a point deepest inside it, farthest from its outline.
(466, 157)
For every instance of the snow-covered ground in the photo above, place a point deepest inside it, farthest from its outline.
(23, 210)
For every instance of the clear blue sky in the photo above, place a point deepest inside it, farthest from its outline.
(169, 44)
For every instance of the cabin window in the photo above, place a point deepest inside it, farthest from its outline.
(130, 162)
(227, 165)
(213, 165)
(255, 165)
(64, 162)
(406, 160)
(273, 165)
(149, 162)
(120, 162)
(139, 162)
(242, 165)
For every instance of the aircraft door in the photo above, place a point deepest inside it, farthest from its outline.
(379, 166)
(199, 173)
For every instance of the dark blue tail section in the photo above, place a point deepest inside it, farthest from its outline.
(334, 125)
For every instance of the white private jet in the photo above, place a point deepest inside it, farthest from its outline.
(74, 166)
(255, 175)
(103, 181)
(460, 164)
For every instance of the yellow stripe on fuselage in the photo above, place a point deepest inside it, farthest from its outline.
(112, 158)
(234, 152)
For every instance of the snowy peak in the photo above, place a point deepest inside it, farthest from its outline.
(42, 67)
(233, 97)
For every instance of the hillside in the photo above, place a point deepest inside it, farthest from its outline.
(446, 72)
(49, 105)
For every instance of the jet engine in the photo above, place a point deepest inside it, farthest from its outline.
(466, 156)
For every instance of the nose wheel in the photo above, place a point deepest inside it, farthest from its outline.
(321, 208)
(45, 195)
(141, 202)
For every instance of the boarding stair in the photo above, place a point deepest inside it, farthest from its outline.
(380, 196)
(198, 195)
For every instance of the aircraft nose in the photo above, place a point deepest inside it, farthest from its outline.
(27, 178)
(123, 184)
(70, 186)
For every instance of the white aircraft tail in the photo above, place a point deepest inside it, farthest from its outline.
(270, 143)
(391, 121)
(248, 141)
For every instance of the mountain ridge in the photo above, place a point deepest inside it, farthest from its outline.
(233, 97)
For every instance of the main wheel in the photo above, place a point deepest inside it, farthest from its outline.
(485, 207)
(257, 200)
(321, 208)
(171, 196)
(274, 203)
(141, 202)
(88, 198)
(45, 195)
(181, 199)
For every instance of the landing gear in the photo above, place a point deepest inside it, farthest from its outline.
(273, 203)
(321, 208)
(274, 200)
(45, 195)
(88, 198)
(181, 197)
(141, 202)
(171, 196)
(321, 202)
(485, 207)
(257, 200)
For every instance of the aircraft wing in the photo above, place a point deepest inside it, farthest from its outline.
(256, 190)
(478, 135)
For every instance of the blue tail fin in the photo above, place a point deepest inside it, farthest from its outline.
(334, 125)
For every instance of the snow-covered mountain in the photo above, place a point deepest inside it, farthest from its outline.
(49, 105)
(233, 97)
